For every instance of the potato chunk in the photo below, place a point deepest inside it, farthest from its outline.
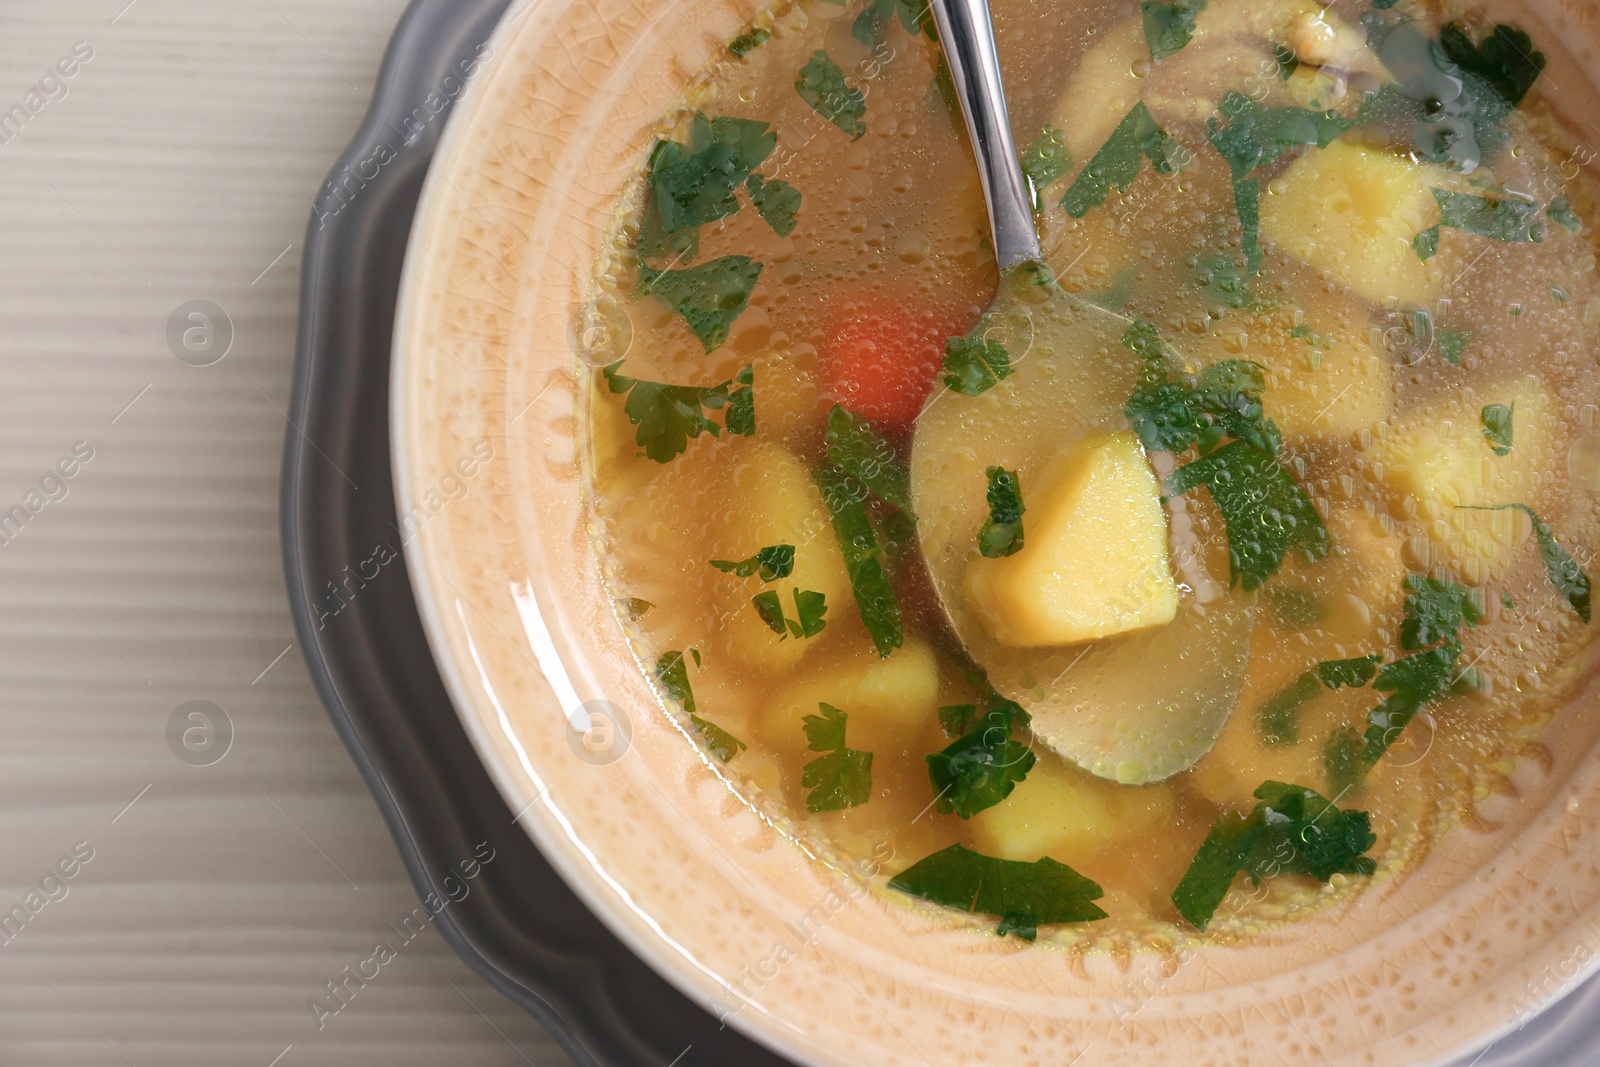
(1094, 562)
(1438, 462)
(889, 701)
(1068, 815)
(1354, 211)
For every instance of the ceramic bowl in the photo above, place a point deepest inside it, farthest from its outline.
(1499, 919)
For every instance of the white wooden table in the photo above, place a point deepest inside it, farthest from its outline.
(177, 163)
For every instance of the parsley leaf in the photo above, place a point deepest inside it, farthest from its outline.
(1137, 137)
(668, 415)
(1265, 510)
(1247, 203)
(1291, 830)
(1411, 682)
(871, 26)
(858, 450)
(1023, 896)
(1435, 610)
(957, 719)
(1249, 135)
(741, 417)
(973, 367)
(1046, 160)
(1002, 530)
(1279, 717)
(1452, 344)
(1169, 27)
(776, 201)
(1505, 60)
(709, 296)
(672, 671)
(1224, 401)
(1287, 62)
(637, 606)
(1497, 427)
(748, 42)
(1426, 243)
(842, 778)
(1505, 218)
(809, 605)
(980, 768)
(1561, 213)
(863, 559)
(1341, 761)
(1566, 576)
(821, 84)
(693, 184)
(772, 563)
(723, 745)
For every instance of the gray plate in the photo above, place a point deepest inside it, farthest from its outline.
(520, 927)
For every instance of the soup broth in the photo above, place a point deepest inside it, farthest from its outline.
(1352, 251)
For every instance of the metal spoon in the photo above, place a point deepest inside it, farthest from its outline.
(1135, 708)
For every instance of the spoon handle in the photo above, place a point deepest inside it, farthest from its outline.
(967, 36)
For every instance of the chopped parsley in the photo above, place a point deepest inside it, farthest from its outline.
(981, 767)
(1506, 59)
(1560, 212)
(776, 201)
(1137, 137)
(1287, 62)
(1023, 896)
(741, 417)
(1045, 161)
(1341, 761)
(1168, 28)
(863, 558)
(973, 367)
(957, 719)
(821, 84)
(672, 671)
(709, 296)
(809, 606)
(1265, 510)
(748, 42)
(1249, 136)
(1291, 830)
(723, 745)
(1452, 344)
(772, 563)
(858, 450)
(1566, 576)
(1002, 530)
(871, 26)
(843, 777)
(1504, 218)
(1497, 427)
(1279, 717)
(668, 415)
(1224, 401)
(696, 183)
(1435, 612)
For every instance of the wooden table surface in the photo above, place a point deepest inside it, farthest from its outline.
(178, 162)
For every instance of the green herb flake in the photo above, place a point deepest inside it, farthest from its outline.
(1435, 610)
(1248, 135)
(871, 26)
(1279, 717)
(1023, 896)
(981, 767)
(1168, 28)
(1341, 761)
(1287, 62)
(809, 605)
(859, 451)
(1452, 344)
(1504, 218)
(1265, 510)
(1247, 203)
(1560, 212)
(957, 719)
(723, 745)
(1412, 683)
(863, 559)
(1497, 427)
(1426, 243)
(1566, 576)
(1291, 830)
(741, 417)
(772, 563)
(709, 296)
(1002, 531)
(973, 367)
(1137, 137)
(821, 84)
(695, 183)
(1223, 401)
(843, 777)
(776, 201)
(672, 671)
(668, 415)
(636, 606)
(1046, 160)
(1506, 59)
(748, 42)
